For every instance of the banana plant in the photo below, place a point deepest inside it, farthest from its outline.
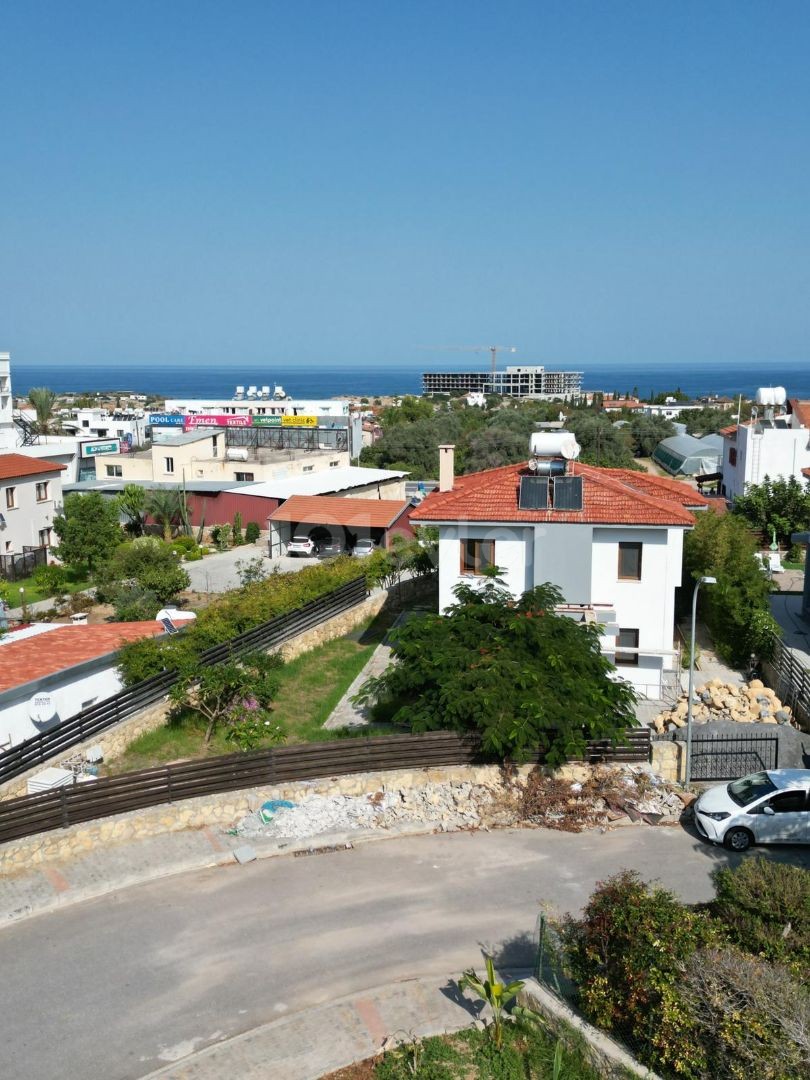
(496, 994)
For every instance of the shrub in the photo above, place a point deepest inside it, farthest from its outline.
(51, 579)
(764, 908)
(754, 1019)
(196, 555)
(183, 544)
(626, 955)
(136, 604)
(252, 532)
(221, 537)
(237, 529)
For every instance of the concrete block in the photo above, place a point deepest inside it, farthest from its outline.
(244, 854)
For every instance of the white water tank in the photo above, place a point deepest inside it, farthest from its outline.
(236, 453)
(554, 444)
(771, 395)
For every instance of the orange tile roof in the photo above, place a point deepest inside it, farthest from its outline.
(55, 650)
(13, 466)
(332, 510)
(610, 497)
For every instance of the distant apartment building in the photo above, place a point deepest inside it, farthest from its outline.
(518, 382)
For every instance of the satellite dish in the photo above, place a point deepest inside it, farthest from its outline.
(42, 708)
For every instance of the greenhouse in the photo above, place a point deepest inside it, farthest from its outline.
(686, 455)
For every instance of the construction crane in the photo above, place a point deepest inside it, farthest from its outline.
(493, 350)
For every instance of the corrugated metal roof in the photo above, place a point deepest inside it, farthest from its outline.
(357, 513)
(321, 483)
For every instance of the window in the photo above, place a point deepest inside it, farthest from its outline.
(732, 455)
(630, 562)
(788, 802)
(11, 498)
(215, 444)
(629, 640)
(85, 423)
(45, 537)
(114, 470)
(477, 556)
(42, 491)
(308, 468)
(168, 464)
(333, 464)
(244, 476)
(9, 547)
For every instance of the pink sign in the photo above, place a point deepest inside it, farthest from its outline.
(214, 420)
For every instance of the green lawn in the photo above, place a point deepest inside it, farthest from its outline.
(311, 686)
(76, 581)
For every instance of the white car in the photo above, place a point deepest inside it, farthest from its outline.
(363, 548)
(301, 545)
(771, 807)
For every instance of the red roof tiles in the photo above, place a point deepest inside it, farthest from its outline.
(332, 510)
(14, 466)
(54, 650)
(610, 497)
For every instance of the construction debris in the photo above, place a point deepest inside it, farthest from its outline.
(751, 703)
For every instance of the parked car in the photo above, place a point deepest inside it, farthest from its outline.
(301, 545)
(363, 548)
(329, 549)
(770, 807)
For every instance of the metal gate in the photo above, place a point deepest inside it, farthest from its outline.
(727, 757)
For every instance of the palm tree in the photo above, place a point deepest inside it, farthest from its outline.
(166, 507)
(42, 400)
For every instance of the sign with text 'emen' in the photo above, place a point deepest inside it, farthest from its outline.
(93, 449)
(215, 420)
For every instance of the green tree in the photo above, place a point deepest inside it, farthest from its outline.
(602, 443)
(646, 432)
(132, 503)
(168, 507)
(409, 410)
(88, 529)
(42, 401)
(782, 505)
(146, 564)
(516, 672)
(225, 693)
(736, 609)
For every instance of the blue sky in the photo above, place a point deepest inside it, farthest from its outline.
(343, 181)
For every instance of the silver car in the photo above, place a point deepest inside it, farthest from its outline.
(363, 548)
(770, 807)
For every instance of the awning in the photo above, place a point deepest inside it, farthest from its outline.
(332, 510)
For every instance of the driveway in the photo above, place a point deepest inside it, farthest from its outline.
(218, 572)
(114, 988)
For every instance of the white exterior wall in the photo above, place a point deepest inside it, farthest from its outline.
(8, 434)
(583, 562)
(70, 694)
(24, 521)
(772, 452)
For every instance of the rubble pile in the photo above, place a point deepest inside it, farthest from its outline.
(751, 703)
(446, 806)
(602, 797)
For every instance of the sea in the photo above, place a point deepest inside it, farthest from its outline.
(326, 380)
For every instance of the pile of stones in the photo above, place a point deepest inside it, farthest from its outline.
(751, 703)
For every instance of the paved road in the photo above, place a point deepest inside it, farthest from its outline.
(113, 988)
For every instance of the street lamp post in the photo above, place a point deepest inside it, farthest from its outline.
(698, 583)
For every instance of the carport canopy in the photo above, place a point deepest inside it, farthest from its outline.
(346, 520)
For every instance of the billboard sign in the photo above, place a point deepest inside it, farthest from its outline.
(162, 419)
(109, 446)
(215, 420)
(266, 421)
(299, 421)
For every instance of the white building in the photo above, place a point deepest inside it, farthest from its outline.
(51, 671)
(30, 498)
(8, 432)
(128, 427)
(610, 539)
(775, 443)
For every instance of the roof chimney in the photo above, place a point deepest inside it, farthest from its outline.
(447, 466)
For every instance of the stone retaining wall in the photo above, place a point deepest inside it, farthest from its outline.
(222, 810)
(115, 740)
(669, 760)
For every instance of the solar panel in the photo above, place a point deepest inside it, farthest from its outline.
(568, 493)
(533, 493)
(169, 626)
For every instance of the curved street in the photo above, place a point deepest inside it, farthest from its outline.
(117, 987)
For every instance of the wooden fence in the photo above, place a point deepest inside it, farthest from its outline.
(98, 717)
(172, 783)
(790, 678)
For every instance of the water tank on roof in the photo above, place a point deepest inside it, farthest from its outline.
(236, 453)
(771, 395)
(550, 444)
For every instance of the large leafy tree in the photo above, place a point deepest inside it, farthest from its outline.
(602, 443)
(229, 693)
(646, 432)
(88, 529)
(146, 565)
(736, 609)
(781, 505)
(516, 672)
